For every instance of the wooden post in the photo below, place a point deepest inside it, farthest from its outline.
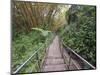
(69, 60)
(37, 58)
(45, 45)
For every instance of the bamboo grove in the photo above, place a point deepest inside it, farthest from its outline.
(36, 15)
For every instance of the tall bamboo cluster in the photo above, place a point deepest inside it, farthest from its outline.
(28, 14)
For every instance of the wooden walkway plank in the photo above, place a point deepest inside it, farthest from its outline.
(58, 59)
(54, 60)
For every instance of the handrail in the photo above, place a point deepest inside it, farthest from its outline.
(27, 60)
(78, 55)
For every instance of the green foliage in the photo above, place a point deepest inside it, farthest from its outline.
(80, 34)
(43, 32)
(30, 30)
(24, 45)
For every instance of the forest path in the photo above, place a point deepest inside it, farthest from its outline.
(54, 60)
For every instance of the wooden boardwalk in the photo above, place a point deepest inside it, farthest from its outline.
(54, 60)
(59, 57)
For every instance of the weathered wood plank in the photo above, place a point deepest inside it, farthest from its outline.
(54, 60)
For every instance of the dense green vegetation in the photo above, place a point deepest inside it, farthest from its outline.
(24, 45)
(33, 25)
(80, 33)
(31, 29)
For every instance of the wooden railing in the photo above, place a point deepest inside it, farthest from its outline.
(35, 55)
(83, 64)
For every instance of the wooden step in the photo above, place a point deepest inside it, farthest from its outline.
(56, 67)
(72, 67)
(54, 61)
